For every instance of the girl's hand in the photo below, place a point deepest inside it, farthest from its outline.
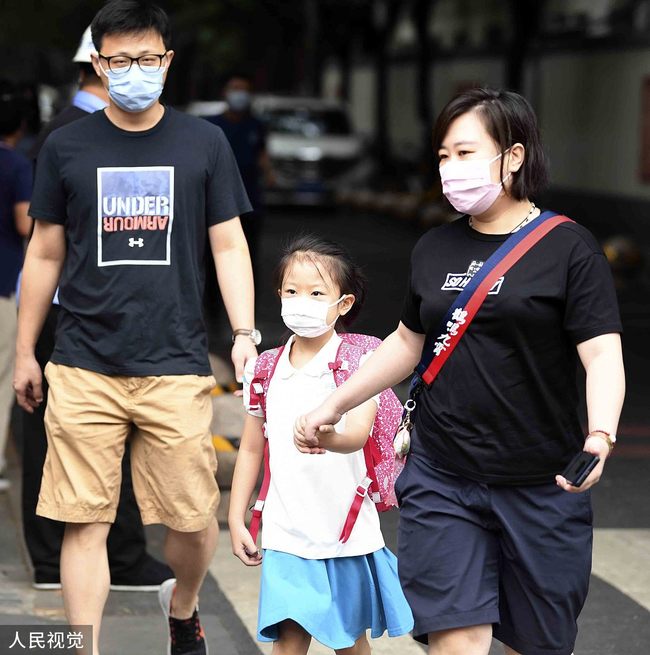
(244, 547)
(311, 423)
(595, 446)
(304, 445)
(325, 434)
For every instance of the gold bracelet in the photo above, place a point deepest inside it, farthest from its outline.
(605, 436)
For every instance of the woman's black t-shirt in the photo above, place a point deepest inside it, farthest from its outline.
(503, 410)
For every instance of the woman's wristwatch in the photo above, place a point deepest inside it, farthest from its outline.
(605, 436)
(253, 334)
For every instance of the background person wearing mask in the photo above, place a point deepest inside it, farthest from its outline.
(247, 137)
(15, 225)
(131, 567)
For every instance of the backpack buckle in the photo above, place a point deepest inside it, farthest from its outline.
(362, 489)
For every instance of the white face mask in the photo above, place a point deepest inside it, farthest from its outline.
(307, 317)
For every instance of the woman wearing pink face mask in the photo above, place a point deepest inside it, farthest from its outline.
(493, 540)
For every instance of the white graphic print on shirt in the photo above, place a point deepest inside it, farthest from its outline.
(135, 212)
(458, 281)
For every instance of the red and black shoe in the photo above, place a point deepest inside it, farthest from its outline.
(186, 636)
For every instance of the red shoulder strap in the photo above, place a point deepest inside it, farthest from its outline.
(264, 369)
(347, 362)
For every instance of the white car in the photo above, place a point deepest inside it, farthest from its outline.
(312, 147)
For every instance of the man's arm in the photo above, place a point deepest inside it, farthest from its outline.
(235, 277)
(41, 272)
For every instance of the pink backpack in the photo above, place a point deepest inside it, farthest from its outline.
(382, 465)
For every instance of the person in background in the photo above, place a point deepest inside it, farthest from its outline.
(15, 225)
(247, 137)
(131, 567)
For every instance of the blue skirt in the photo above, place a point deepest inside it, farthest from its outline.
(335, 600)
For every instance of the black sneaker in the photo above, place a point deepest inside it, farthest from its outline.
(186, 636)
(147, 576)
(44, 582)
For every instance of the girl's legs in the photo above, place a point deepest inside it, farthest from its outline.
(294, 639)
(473, 640)
(361, 647)
(508, 651)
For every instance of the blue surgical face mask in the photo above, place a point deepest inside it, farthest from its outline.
(136, 90)
(238, 100)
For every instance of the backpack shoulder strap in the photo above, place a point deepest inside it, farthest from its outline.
(264, 369)
(346, 362)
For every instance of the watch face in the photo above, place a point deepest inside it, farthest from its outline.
(256, 337)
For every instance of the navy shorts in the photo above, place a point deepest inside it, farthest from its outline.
(471, 554)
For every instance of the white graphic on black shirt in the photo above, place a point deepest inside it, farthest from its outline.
(458, 281)
(135, 213)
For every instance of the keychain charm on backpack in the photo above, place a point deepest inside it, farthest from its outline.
(402, 440)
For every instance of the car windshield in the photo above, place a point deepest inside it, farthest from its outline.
(310, 123)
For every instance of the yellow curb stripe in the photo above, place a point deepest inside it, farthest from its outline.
(222, 444)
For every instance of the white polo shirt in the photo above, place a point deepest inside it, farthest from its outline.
(310, 495)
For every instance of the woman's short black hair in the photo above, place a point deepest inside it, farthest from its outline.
(508, 119)
(130, 17)
(344, 271)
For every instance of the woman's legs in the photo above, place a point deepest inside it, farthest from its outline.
(508, 651)
(361, 647)
(473, 640)
(294, 639)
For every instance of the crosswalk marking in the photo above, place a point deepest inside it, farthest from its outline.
(622, 559)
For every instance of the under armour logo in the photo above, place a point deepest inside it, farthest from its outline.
(136, 242)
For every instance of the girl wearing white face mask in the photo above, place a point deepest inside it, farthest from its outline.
(313, 584)
(493, 539)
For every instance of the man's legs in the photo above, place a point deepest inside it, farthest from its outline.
(130, 565)
(84, 575)
(189, 554)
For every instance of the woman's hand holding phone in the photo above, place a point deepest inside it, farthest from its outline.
(594, 448)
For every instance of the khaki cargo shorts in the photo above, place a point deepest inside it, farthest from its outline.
(88, 419)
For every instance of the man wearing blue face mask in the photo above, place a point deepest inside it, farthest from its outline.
(131, 567)
(126, 202)
(247, 137)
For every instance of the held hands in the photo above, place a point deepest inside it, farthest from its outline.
(594, 446)
(311, 431)
(28, 383)
(243, 546)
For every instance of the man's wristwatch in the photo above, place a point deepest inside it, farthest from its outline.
(254, 335)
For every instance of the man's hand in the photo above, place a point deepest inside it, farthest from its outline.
(243, 546)
(28, 382)
(595, 446)
(242, 350)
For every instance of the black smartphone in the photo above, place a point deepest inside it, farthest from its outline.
(579, 468)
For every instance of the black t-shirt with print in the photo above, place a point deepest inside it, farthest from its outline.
(503, 409)
(136, 207)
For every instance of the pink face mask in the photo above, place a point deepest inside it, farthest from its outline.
(468, 185)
